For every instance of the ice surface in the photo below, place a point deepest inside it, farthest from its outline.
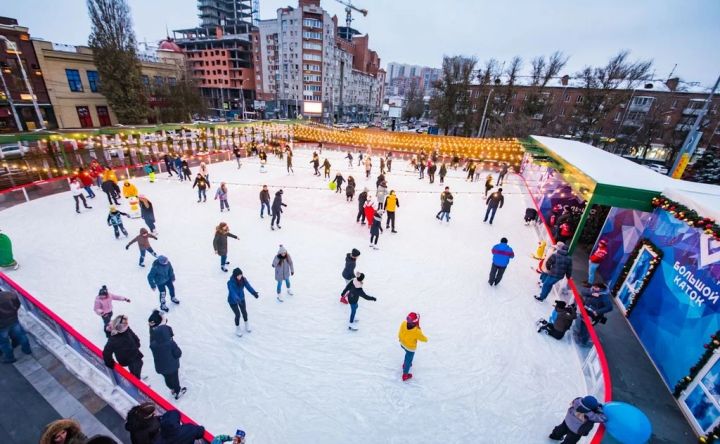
(484, 376)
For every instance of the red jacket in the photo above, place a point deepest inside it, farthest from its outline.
(599, 254)
(85, 178)
(369, 214)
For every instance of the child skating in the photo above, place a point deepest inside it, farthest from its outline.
(222, 195)
(143, 241)
(283, 265)
(353, 291)
(409, 334)
(114, 220)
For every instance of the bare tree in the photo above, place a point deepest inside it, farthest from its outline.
(450, 104)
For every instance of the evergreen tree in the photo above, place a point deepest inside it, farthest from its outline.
(706, 169)
(112, 40)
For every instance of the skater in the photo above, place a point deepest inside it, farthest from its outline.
(143, 423)
(349, 157)
(222, 195)
(150, 171)
(362, 198)
(169, 164)
(496, 199)
(238, 155)
(376, 229)
(339, 179)
(129, 190)
(409, 335)
(237, 284)
(289, 162)
(143, 241)
(353, 291)
(6, 254)
(77, 193)
(350, 189)
(471, 171)
(316, 163)
(173, 431)
(349, 271)
(502, 253)
(488, 185)
(421, 168)
(125, 345)
(446, 201)
(392, 203)
(283, 265)
(202, 185)
(369, 209)
(389, 161)
(166, 353)
(147, 213)
(563, 315)
(380, 180)
(455, 161)
(501, 175)
(104, 307)
(238, 438)
(96, 171)
(162, 276)
(277, 210)
(86, 179)
(431, 171)
(187, 174)
(382, 165)
(360, 157)
(381, 194)
(595, 260)
(579, 420)
(264, 201)
(531, 215)
(222, 232)
(559, 265)
(114, 220)
(111, 189)
(326, 168)
(368, 167)
(178, 162)
(10, 329)
(443, 172)
(204, 171)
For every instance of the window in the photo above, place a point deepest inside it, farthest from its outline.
(312, 35)
(642, 101)
(579, 99)
(171, 81)
(512, 109)
(567, 98)
(83, 113)
(145, 81)
(307, 67)
(93, 80)
(636, 116)
(313, 46)
(668, 118)
(314, 57)
(562, 111)
(312, 88)
(103, 115)
(312, 78)
(73, 78)
(158, 81)
(312, 23)
(674, 104)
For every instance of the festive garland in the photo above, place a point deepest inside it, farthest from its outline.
(710, 348)
(648, 274)
(688, 215)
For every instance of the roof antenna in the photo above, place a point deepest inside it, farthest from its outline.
(672, 71)
(167, 33)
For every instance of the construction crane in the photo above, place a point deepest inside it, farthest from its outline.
(348, 11)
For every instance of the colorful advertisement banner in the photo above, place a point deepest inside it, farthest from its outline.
(622, 230)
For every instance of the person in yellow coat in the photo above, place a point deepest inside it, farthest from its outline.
(392, 203)
(109, 174)
(409, 334)
(129, 190)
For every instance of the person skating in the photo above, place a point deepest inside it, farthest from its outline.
(382, 165)
(178, 162)
(238, 438)
(187, 174)
(7, 260)
(169, 164)
(166, 353)
(353, 291)
(96, 171)
(11, 331)
(289, 161)
(369, 209)
(350, 189)
(222, 232)
(392, 203)
(162, 276)
(495, 200)
(579, 420)
(501, 175)
(205, 172)
(264, 201)
(114, 220)
(368, 167)
(362, 198)
(360, 157)
(283, 265)
(86, 179)
(421, 168)
(277, 210)
(237, 284)
(63, 431)
(129, 190)
(326, 167)
(202, 185)
(349, 271)
(143, 423)
(455, 161)
(446, 201)
(173, 431)
(150, 171)
(104, 307)
(315, 163)
(558, 265)
(595, 260)
(470, 171)
(376, 229)
(380, 179)
(443, 172)
(389, 162)
(125, 345)
(502, 253)
(564, 315)
(143, 241)
(431, 171)
(222, 195)
(111, 190)
(238, 155)
(147, 213)
(488, 185)
(77, 194)
(339, 180)
(381, 194)
(409, 335)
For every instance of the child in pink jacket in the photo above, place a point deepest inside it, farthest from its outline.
(103, 307)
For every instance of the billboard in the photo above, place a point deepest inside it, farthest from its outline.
(313, 108)
(395, 111)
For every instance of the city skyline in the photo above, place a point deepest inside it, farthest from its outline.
(460, 29)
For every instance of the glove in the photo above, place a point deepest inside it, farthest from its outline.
(292, 273)
(257, 295)
(223, 438)
(127, 247)
(127, 300)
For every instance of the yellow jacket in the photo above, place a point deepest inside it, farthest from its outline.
(409, 338)
(129, 190)
(109, 175)
(391, 202)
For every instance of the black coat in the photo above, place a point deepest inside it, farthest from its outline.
(173, 432)
(142, 430)
(376, 226)
(265, 196)
(201, 182)
(447, 202)
(362, 198)
(355, 292)
(349, 270)
(125, 346)
(147, 213)
(110, 187)
(9, 306)
(496, 199)
(278, 203)
(166, 352)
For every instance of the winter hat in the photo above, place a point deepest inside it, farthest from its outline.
(113, 208)
(240, 433)
(282, 250)
(163, 260)
(355, 252)
(146, 409)
(589, 403)
(100, 439)
(503, 240)
(103, 290)
(560, 304)
(155, 319)
(360, 276)
(413, 318)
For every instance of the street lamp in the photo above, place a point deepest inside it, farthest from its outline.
(12, 47)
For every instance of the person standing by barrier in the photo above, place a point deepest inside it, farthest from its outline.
(125, 345)
(166, 353)
(104, 307)
(502, 253)
(10, 328)
(284, 268)
(409, 335)
(162, 276)
(559, 265)
(239, 438)
(495, 200)
(173, 431)
(579, 420)
(63, 431)
(143, 423)
(595, 260)
(77, 193)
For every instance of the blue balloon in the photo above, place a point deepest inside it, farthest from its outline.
(627, 423)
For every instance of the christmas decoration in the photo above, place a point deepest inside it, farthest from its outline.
(645, 279)
(687, 215)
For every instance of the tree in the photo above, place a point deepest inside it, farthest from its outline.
(414, 104)
(112, 40)
(179, 102)
(450, 104)
(706, 169)
(537, 102)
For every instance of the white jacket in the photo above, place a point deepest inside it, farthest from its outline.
(76, 188)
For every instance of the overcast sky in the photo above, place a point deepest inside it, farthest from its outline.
(682, 32)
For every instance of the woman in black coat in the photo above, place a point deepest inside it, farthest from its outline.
(166, 353)
(125, 345)
(143, 424)
(277, 209)
(147, 213)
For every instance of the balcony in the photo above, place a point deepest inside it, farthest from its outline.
(682, 127)
(691, 111)
(640, 108)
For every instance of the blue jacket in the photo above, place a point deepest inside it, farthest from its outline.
(502, 253)
(236, 290)
(166, 352)
(160, 274)
(172, 431)
(600, 304)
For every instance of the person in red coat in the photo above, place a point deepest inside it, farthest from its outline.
(596, 259)
(86, 179)
(96, 171)
(369, 209)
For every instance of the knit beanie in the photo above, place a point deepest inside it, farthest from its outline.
(103, 290)
(282, 250)
(155, 318)
(355, 252)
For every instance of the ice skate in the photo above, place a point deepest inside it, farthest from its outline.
(224, 269)
(247, 327)
(290, 292)
(180, 393)
(352, 326)
(175, 300)
(406, 376)
(238, 331)
(538, 298)
(279, 298)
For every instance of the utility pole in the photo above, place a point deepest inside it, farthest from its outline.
(481, 132)
(12, 47)
(692, 139)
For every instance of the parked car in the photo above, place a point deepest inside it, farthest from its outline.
(13, 151)
(657, 168)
